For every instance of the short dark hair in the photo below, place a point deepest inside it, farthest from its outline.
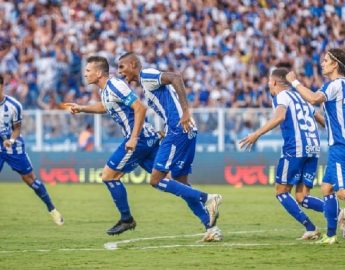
(127, 54)
(102, 63)
(1, 79)
(338, 55)
(280, 73)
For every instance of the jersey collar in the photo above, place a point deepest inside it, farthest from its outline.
(3, 101)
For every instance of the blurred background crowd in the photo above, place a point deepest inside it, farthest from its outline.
(224, 48)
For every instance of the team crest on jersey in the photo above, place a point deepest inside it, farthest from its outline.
(150, 142)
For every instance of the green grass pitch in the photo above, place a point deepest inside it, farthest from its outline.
(258, 233)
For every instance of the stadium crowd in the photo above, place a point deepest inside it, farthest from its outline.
(224, 48)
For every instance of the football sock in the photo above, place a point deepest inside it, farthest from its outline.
(42, 193)
(194, 198)
(181, 190)
(198, 208)
(313, 203)
(292, 207)
(331, 213)
(119, 194)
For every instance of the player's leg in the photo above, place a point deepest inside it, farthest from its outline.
(22, 164)
(287, 170)
(328, 188)
(119, 163)
(303, 188)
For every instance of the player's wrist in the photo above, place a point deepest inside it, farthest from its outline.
(295, 83)
(12, 141)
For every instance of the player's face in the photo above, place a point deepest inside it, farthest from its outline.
(126, 70)
(328, 65)
(91, 73)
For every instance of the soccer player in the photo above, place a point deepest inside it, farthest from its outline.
(141, 141)
(298, 163)
(12, 149)
(332, 96)
(165, 94)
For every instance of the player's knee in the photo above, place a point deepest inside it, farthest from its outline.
(299, 198)
(154, 181)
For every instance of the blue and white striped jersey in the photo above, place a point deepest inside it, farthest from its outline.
(334, 108)
(163, 99)
(299, 129)
(118, 98)
(10, 113)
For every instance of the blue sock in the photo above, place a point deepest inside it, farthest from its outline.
(181, 190)
(41, 192)
(313, 203)
(292, 207)
(331, 213)
(199, 210)
(119, 194)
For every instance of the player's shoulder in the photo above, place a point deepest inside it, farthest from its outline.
(147, 72)
(117, 85)
(13, 101)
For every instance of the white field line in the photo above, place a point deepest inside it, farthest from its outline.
(115, 245)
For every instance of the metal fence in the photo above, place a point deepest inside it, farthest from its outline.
(219, 129)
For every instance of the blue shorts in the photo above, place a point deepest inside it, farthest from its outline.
(18, 162)
(144, 155)
(296, 170)
(335, 170)
(176, 154)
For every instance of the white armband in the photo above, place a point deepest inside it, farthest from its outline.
(294, 83)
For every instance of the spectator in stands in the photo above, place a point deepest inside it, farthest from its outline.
(86, 139)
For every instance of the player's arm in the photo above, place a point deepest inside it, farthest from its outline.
(278, 117)
(176, 81)
(320, 119)
(313, 98)
(92, 108)
(139, 119)
(15, 134)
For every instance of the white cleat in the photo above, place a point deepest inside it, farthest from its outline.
(310, 235)
(212, 205)
(341, 221)
(213, 234)
(57, 217)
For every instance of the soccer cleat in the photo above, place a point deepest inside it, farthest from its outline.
(213, 234)
(212, 205)
(341, 221)
(57, 217)
(310, 235)
(327, 240)
(121, 227)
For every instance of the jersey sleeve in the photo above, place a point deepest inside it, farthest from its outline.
(150, 79)
(17, 111)
(329, 91)
(281, 99)
(122, 92)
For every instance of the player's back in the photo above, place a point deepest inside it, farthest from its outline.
(299, 129)
(117, 98)
(10, 113)
(334, 108)
(163, 99)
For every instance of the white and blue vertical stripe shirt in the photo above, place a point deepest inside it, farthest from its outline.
(299, 129)
(163, 99)
(118, 98)
(334, 108)
(10, 114)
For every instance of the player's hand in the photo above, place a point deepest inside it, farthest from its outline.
(291, 76)
(247, 142)
(186, 122)
(7, 143)
(131, 144)
(73, 108)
